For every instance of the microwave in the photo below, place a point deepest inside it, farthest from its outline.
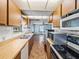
(70, 22)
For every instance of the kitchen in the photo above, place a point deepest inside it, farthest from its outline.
(39, 29)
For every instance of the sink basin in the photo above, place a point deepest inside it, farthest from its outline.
(25, 37)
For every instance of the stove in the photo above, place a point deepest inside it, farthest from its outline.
(65, 52)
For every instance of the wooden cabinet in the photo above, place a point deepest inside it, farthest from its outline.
(24, 52)
(3, 12)
(50, 19)
(47, 48)
(18, 56)
(14, 14)
(26, 20)
(56, 23)
(67, 6)
(57, 12)
(56, 17)
(31, 41)
(77, 4)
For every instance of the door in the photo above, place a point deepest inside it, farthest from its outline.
(14, 14)
(3, 12)
(56, 17)
(41, 29)
(24, 52)
(77, 4)
(37, 28)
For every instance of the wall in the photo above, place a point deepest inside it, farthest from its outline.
(38, 21)
(5, 30)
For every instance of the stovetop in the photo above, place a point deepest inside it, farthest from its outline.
(65, 52)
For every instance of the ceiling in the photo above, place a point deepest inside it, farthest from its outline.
(37, 7)
(44, 5)
(36, 13)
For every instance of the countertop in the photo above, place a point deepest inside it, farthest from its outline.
(50, 41)
(13, 35)
(4, 37)
(57, 32)
(10, 49)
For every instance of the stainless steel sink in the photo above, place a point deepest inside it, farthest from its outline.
(25, 37)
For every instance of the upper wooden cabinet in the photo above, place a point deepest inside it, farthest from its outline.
(3, 12)
(56, 23)
(56, 17)
(77, 4)
(67, 6)
(26, 19)
(57, 12)
(14, 14)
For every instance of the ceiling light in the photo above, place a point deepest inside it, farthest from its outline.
(55, 1)
(24, 0)
(37, 0)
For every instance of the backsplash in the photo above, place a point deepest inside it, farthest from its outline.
(6, 30)
(60, 39)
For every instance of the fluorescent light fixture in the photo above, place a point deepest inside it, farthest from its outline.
(24, 0)
(55, 1)
(38, 17)
(37, 0)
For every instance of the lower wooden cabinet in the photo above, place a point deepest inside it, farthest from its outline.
(31, 41)
(18, 56)
(24, 52)
(48, 50)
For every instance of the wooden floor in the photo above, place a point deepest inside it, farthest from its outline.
(38, 51)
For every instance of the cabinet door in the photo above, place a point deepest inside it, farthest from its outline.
(58, 12)
(24, 52)
(56, 17)
(56, 23)
(68, 6)
(26, 20)
(77, 4)
(14, 14)
(3, 12)
(48, 50)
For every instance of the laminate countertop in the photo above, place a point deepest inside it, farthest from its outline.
(10, 49)
(50, 41)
